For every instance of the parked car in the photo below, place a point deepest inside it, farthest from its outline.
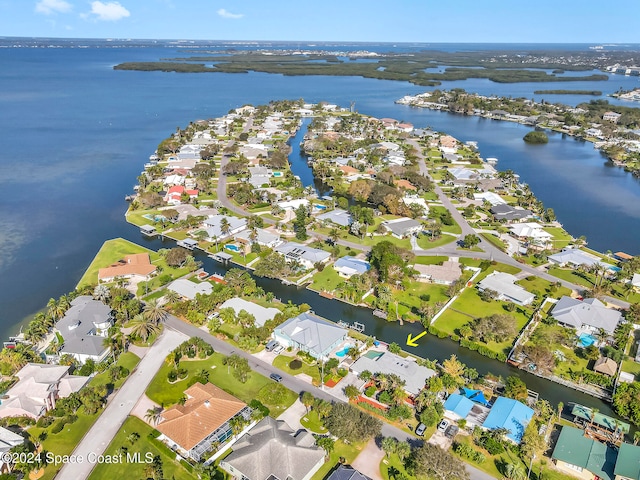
(452, 431)
(278, 349)
(275, 377)
(271, 345)
(420, 429)
(442, 426)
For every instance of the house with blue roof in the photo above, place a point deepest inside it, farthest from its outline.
(348, 266)
(511, 415)
(457, 406)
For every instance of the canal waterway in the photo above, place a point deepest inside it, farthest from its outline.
(298, 161)
(430, 346)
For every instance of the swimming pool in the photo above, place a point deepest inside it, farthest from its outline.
(343, 352)
(586, 340)
(319, 207)
(232, 247)
(277, 174)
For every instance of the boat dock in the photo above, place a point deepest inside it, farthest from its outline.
(358, 327)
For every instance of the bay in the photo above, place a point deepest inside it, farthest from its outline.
(77, 134)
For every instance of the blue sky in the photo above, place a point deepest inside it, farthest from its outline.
(546, 21)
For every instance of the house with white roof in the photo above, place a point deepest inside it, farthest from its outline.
(444, 274)
(493, 198)
(213, 227)
(402, 227)
(188, 289)
(310, 333)
(39, 386)
(263, 237)
(8, 440)
(259, 176)
(504, 284)
(348, 266)
(531, 232)
(306, 255)
(574, 257)
(588, 315)
(260, 313)
(84, 327)
(635, 281)
(337, 216)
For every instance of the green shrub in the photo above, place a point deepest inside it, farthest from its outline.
(58, 426)
(172, 376)
(295, 364)
(370, 391)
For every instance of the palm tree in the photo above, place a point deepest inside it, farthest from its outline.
(352, 392)
(144, 327)
(153, 415)
(171, 296)
(307, 400)
(225, 227)
(636, 437)
(101, 293)
(155, 311)
(333, 235)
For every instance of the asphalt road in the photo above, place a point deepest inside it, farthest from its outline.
(100, 435)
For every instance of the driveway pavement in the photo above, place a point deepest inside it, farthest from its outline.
(293, 414)
(97, 439)
(368, 462)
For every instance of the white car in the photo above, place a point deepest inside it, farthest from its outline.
(442, 426)
(278, 349)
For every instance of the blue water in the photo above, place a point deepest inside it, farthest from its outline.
(232, 247)
(343, 352)
(77, 134)
(587, 340)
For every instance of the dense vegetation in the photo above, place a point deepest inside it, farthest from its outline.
(536, 137)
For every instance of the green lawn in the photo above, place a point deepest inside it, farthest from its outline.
(495, 241)
(367, 240)
(171, 468)
(560, 237)
(110, 252)
(631, 367)
(282, 362)
(136, 217)
(433, 260)
(164, 393)
(415, 293)
(311, 422)
(585, 279)
(543, 287)
(469, 305)
(328, 279)
(424, 241)
(128, 360)
(391, 467)
(348, 452)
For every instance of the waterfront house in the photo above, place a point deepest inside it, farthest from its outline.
(533, 233)
(504, 285)
(174, 194)
(588, 315)
(307, 256)
(584, 457)
(272, 450)
(259, 176)
(84, 327)
(260, 313)
(414, 375)
(611, 117)
(263, 237)
(635, 281)
(137, 266)
(188, 289)
(586, 417)
(511, 415)
(310, 333)
(509, 213)
(628, 462)
(213, 227)
(337, 216)
(574, 257)
(203, 420)
(402, 227)
(493, 198)
(347, 266)
(347, 472)
(444, 274)
(38, 387)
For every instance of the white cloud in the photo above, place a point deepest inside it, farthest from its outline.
(111, 11)
(226, 14)
(47, 7)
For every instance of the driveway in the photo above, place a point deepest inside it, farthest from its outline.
(97, 439)
(293, 414)
(368, 461)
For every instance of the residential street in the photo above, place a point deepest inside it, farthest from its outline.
(97, 439)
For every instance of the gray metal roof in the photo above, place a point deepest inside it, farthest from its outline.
(590, 311)
(504, 284)
(294, 250)
(347, 472)
(408, 370)
(189, 289)
(271, 449)
(261, 314)
(80, 324)
(401, 226)
(337, 216)
(316, 334)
